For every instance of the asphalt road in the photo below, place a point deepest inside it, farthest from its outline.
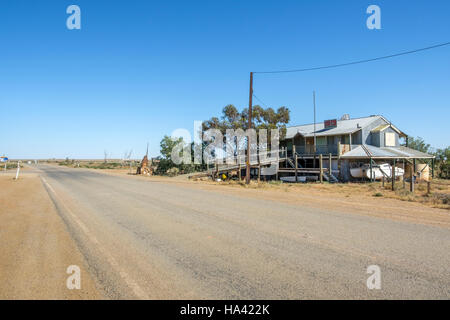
(155, 240)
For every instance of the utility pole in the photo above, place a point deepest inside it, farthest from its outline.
(314, 146)
(247, 171)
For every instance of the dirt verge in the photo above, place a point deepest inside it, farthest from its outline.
(36, 249)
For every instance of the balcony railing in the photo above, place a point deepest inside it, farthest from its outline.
(309, 150)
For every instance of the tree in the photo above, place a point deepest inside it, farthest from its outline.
(105, 153)
(262, 118)
(166, 162)
(167, 144)
(418, 144)
(443, 162)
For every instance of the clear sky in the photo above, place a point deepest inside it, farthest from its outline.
(138, 70)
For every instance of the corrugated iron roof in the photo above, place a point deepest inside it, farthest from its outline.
(411, 153)
(343, 127)
(368, 151)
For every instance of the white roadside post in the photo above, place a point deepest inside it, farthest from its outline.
(18, 170)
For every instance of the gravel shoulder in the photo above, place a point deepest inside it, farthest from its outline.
(36, 248)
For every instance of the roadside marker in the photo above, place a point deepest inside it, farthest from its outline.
(18, 170)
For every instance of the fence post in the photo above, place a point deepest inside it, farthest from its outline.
(428, 187)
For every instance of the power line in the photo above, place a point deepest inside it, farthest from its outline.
(260, 100)
(359, 61)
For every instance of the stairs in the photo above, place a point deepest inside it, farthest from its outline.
(330, 177)
(292, 164)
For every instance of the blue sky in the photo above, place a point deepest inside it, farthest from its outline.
(138, 70)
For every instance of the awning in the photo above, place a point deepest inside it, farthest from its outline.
(368, 151)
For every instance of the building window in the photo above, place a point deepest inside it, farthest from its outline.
(321, 141)
(389, 139)
(345, 139)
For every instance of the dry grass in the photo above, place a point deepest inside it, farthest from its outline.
(439, 196)
(96, 164)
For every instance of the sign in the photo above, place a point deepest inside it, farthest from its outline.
(328, 124)
(3, 159)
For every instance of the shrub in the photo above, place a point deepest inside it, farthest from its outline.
(173, 171)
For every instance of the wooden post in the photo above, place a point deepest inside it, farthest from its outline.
(240, 173)
(294, 156)
(371, 171)
(296, 166)
(432, 168)
(428, 187)
(259, 171)
(217, 170)
(329, 166)
(382, 181)
(320, 168)
(250, 113)
(403, 177)
(411, 188)
(393, 175)
(286, 161)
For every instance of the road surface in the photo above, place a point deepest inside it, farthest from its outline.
(149, 239)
